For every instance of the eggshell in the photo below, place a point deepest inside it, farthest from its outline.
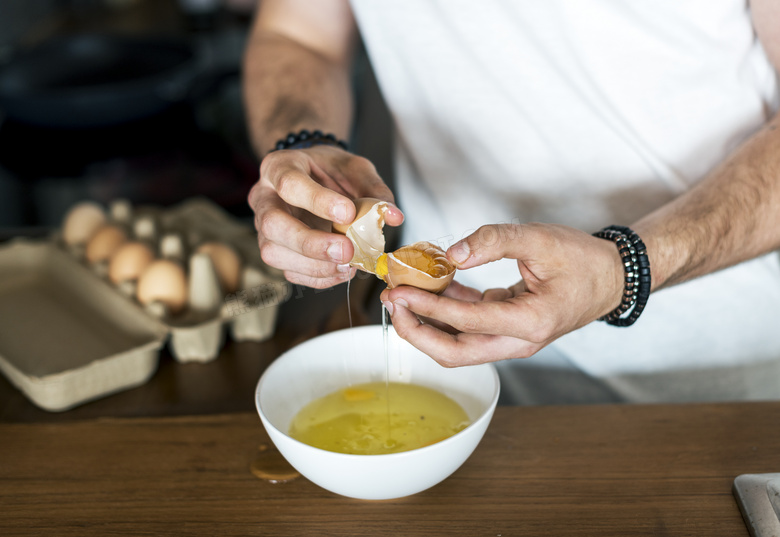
(172, 247)
(422, 264)
(121, 210)
(145, 228)
(81, 222)
(104, 243)
(129, 261)
(365, 232)
(163, 281)
(226, 262)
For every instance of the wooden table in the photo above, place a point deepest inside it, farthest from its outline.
(589, 470)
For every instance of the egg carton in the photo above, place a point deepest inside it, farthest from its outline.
(69, 334)
(67, 337)
(197, 333)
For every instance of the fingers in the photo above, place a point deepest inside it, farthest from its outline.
(358, 177)
(459, 291)
(488, 243)
(290, 176)
(319, 282)
(288, 244)
(569, 279)
(284, 259)
(299, 193)
(393, 217)
(456, 291)
(275, 223)
(497, 295)
(454, 350)
(323, 180)
(497, 318)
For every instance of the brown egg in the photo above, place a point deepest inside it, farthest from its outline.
(129, 261)
(104, 243)
(422, 264)
(226, 262)
(163, 281)
(365, 232)
(81, 222)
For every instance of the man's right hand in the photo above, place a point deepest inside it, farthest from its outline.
(299, 194)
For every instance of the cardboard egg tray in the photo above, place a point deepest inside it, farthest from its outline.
(69, 335)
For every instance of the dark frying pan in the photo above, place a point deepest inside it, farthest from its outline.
(87, 81)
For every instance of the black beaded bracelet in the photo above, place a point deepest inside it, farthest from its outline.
(305, 139)
(636, 266)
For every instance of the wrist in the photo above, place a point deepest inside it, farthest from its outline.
(636, 275)
(305, 138)
(664, 263)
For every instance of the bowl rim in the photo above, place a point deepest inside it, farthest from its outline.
(486, 414)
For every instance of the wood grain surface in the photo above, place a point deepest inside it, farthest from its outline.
(590, 470)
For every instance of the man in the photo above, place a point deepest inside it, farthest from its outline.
(578, 115)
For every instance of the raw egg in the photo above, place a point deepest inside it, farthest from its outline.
(422, 264)
(163, 281)
(129, 261)
(104, 243)
(376, 418)
(81, 222)
(226, 262)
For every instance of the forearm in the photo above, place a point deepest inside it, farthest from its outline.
(289, 87)
(731, 216)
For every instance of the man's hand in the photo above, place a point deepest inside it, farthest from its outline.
(299, 194)
(569, 278)
(297, 70)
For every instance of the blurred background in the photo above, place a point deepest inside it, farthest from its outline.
(134, 99)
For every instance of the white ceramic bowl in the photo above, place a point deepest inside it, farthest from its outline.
(333, 361)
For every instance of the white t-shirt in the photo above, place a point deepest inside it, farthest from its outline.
(586, 113)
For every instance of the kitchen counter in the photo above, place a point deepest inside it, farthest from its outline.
(587, 470)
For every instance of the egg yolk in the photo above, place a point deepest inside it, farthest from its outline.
(381, 266)
(357, 394)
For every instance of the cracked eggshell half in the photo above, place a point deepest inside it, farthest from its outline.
(365, 233)
(422, 264)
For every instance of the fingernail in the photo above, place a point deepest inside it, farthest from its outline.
(397, 211)
(343, 268)
(401, 302)
(335, 252)
(460, 252)
(339, 212)
(388, 306)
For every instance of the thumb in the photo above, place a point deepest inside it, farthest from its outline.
(364, 182)
(362, 175)
(375, 187)
(488, 243)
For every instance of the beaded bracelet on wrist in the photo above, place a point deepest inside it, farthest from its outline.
(305, 139)
(636, 268)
